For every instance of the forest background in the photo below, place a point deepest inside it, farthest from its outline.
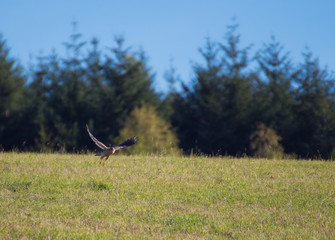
(238, 103)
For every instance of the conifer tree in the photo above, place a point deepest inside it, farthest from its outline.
(314, 133)
(237, 92)
(129, 83)
(58, 89)
(212, 115)
(12, 83)
(274, 94)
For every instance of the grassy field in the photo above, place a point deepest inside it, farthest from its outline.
(134, 197)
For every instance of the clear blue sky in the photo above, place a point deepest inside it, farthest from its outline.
(166, 30)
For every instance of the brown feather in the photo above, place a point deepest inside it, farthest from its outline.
(96, 141)
(127, 143)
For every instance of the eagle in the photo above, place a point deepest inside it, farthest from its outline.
(107, 151)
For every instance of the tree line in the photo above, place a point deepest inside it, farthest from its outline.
(236, 103)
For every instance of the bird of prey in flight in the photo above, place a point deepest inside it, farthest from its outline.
(107, 151)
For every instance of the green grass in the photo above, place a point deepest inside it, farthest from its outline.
(134, 197)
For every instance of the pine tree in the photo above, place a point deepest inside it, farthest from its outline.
(165, 108)
(128, 85)
(274, 95)
(57, 98)
(12, 90)
(198, 106)
(212, 115)
(238, 93)
(314, 112)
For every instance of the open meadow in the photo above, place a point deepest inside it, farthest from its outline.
(61, 196)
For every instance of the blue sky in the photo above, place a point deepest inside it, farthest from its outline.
(166, 30)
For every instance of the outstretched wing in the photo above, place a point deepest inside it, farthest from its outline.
(96, 141)
(127, 143)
